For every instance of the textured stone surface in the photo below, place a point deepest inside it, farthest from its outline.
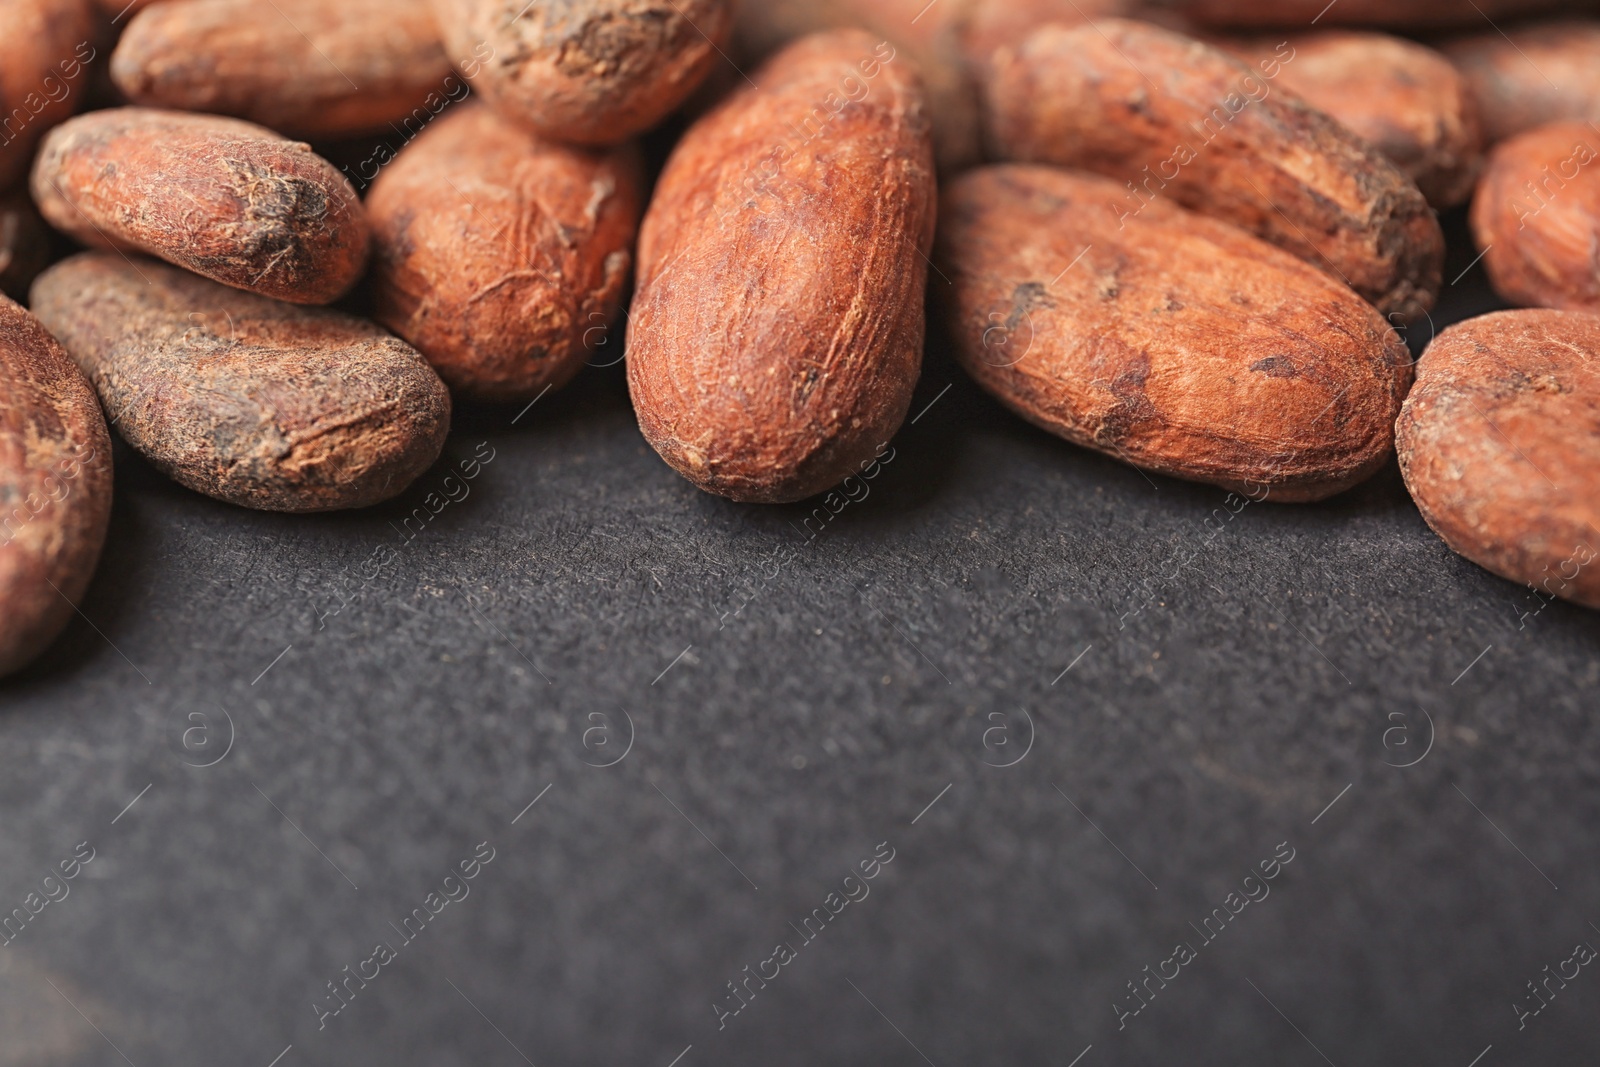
(411, 728)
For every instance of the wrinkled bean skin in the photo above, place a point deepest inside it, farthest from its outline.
(776, 335)
(253, 401)
(226, 199)
(1190, 123)
(1173, 342)
(306, 68)
(590, 72)
(501, 256)
(55, 487)
(1500, 446)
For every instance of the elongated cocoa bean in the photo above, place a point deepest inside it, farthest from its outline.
(43, 51)
(306, 68)
(1172, 341)
(1537, 217)
(1404, 14)
(25, 245)
(1531, 75)
(226, 199)
(1407, 100)
(777, 332)
(253, 401)
(55, 486)
(1171, 117)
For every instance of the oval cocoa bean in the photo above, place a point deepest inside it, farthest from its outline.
(1172, 341)
(502, 256)
(43, 79)
(776, 335)
(986, 25)
(1500, 446)
(55, 487)
(1526, 76)
(1177, 119)
(306, 68)
(947, 41)
(1405, 14)
(1405, 99)
(226, 199)
(591, 72)
(1537, 217)
(249, 400)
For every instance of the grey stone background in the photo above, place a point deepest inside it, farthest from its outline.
(1225, 695)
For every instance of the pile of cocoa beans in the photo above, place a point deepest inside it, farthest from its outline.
(1185, 233)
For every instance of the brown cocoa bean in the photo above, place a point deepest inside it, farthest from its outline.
(1175, 342)
(306, 68)
(1537, 217)
(1500, 446)
(249, 400)
(1406, 99)
(55, 487)
(593, 72)
(224, 198)
(776, 335)
(502, 256)
(930, 44)
(42, 78)
(1174, 118)
(1531, 75)
(1407, 14)
(946, 41)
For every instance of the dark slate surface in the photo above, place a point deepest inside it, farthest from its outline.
(795, 704)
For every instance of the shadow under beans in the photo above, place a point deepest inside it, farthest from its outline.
(596, 393)
(153, 516)
(450, 490)
(1464, 291)
(1384, 493)
(948, 411)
